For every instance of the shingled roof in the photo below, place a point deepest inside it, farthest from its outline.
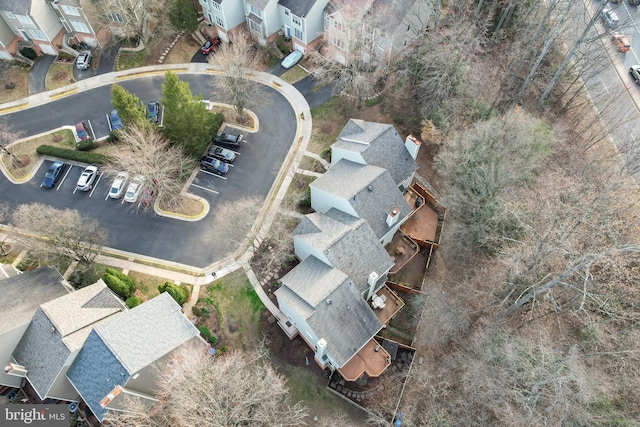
(19, 7)
(125, 344)
(332, 306)
(348, 244)
(379, 145)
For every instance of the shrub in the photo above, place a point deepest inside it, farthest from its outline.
(114, 136)
(305, 201)
(133, 302)
(178, 293)
(131, 285)
(28, 52)
(282, 45)
(117, 286)
(84, 277)
(79, 156)
(373, 101)
(206, 334)
(87, 145)
(196, 311)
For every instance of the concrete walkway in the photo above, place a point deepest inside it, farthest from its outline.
(183, 273)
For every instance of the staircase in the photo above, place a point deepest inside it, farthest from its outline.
(197, 34)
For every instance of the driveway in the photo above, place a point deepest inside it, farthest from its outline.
(38, 74)
(131, 230)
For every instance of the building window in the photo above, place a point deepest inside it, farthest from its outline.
(79, 26)
(338, 26)
(296, 20)
(339, 43)
(216, 5)
(24, 20)
(37, 34)
(256, 11)
(70, 10)
(298, 34)
(286, 12)
(114, 17)
(219, 21)
(254, 27)
(10, 15)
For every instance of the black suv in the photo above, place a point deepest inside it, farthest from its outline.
(228, 140)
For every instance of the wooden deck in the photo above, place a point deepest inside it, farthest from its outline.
(392, 305)
(372, 359)
(422, 224)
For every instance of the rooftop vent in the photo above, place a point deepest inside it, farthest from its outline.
(328, 301)
(370, 188)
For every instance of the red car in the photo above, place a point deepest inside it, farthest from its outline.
(210, 45)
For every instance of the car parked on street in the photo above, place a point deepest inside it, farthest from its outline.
(88, 177)
(291, 59)
(210, 45)
(634, 72)
(221, 153)
(134, 189)
(118, 185)
(609, 18)
(114, 120)
(622, 42)
(153, 111)
(53, 174)
(212, 165)
(83, 61)
(81, 131)
(228, 140)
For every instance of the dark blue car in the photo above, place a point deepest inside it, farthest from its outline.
(52, 175)
(214, 165)
(153, 109)
(114, 120)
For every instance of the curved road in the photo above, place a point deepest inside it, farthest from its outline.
(169, 239)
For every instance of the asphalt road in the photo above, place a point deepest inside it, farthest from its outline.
(129, 229)
(38, 74)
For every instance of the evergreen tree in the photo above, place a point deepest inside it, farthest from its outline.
(183, 16)
(129, 106)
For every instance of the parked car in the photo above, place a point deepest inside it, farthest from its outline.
(118, 185)
(609, 18)
(634, 2)
(622, 42)
(88, 177)
(210, 45)
(221, 153)
(153, 111)
(146, 197)
(634, 72)
(291, 59)
(83, 61)
(228, 140)
(134, 189)
(52, 175)
(114, 120)
(81, 131)
(214, 165)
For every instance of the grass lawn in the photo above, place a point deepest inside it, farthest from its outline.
(58, 75)
(147, 286)
(296, 192)
(26, 151)
(234, 311)
(328, 120)
(19, 76)
(294, 74)
(128, 60)
(311, 164)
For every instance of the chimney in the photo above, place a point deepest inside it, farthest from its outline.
(321, 349)
(393, 216)
(412, 144)
(372, 281)
(15, 370)
(112, 395)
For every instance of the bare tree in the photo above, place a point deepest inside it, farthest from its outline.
(64, 232)
(139, 19)
(234, 389)
(236, 58)
(143, 150)
(8, 136)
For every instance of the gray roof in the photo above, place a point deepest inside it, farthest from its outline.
(298, 7)
(60, 327)
(21, 295)
(380, 145)
(369, 189)
(95, 372)
(260, 4)
(42, 352)
(394, 12)
(352, 248)
(153, 329)
(127, 343)
(20, 7)
(331, 305)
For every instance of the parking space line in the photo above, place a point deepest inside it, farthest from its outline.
(212, 174)
(91, 127)
(205, 189)
(96, 184)
(64, 177)
(109, 122)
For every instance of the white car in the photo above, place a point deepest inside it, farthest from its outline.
(134, 189)
(291, 59)
(88, 177)
(118, 186)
